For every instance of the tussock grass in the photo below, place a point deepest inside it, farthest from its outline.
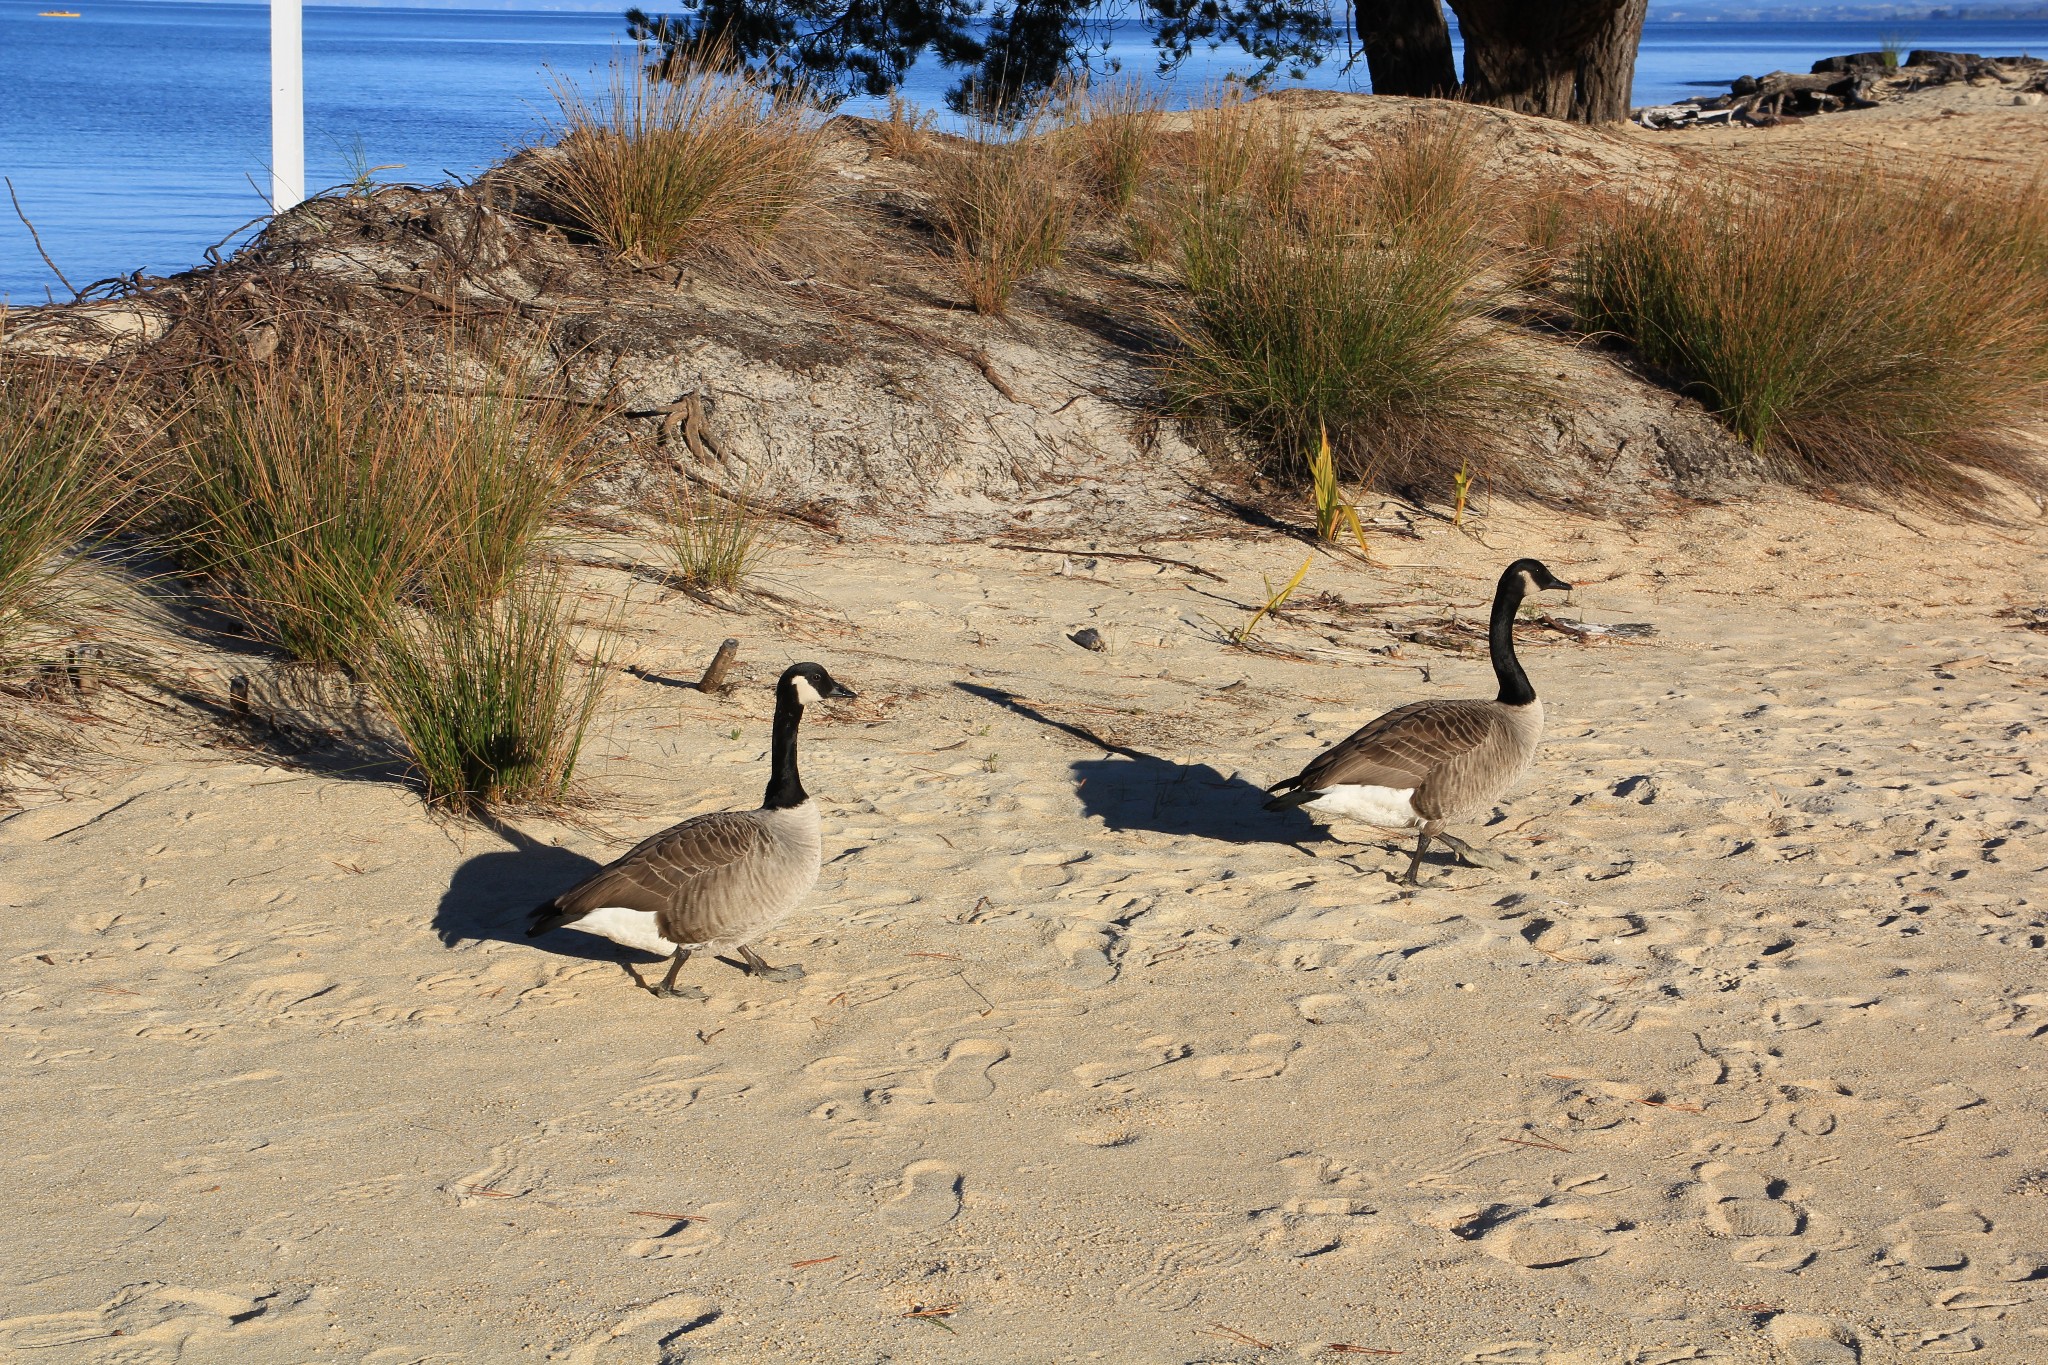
(1243, 150)
(1116, 129)
(512, 458)
(1866, 331)
(905, 132)
(1428, 178)
(491, 703)
(61, 483)
(1004, 206)
(1349, 305)
(323, 490)
(709, 541)
(705, 160)
(1548, 223)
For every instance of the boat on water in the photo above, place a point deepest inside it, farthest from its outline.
(57, 14)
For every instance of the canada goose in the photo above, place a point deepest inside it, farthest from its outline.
(715, 881)
(1423, 765)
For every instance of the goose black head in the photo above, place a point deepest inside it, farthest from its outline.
(1534, 577)
(810, 682)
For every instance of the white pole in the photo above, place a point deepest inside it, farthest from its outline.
(287, 106)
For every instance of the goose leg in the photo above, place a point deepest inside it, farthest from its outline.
(756, 967)
(1415, 863)
(667, 989)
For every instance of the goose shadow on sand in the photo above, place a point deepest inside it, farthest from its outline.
(1129, 789)
(492, 895)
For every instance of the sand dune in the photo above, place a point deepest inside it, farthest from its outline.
(1741, 1058)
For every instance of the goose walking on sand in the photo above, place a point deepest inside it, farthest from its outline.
(1429, 763)
(717, 881)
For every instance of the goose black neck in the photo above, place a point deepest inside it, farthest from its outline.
(1514, 683)
(785, 788)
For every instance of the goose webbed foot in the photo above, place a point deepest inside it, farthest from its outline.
(667, 989)
(1470, 856)
(756, 967)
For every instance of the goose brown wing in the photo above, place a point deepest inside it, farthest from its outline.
(1403, 747)
(666, 873)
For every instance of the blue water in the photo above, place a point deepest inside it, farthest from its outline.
(137, 135)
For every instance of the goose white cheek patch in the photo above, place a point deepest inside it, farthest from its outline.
(806, 693)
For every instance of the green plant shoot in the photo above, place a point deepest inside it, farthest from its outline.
(1333, 513)
(1274, 599)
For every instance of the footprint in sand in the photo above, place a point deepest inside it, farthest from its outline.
(1539, 1237)
(963, 1078)
(276, 995)
(672, 1097)
(1944, 1238)
(1152, 1053)
(687, 1236)
(928, 1198)
(1808, 1340)
(1265, 1055)
(507, 1176)
(1088, 948)
(651, 1335)
(160, 1322)
(1754, 1210)
(1046, 872)
(1172, 1282)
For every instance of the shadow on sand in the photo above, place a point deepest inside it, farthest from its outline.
(492, 895)
(1130, 789)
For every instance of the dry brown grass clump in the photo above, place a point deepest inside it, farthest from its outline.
(1116, 128)
(62, 480)
(905, 132)
(492, 703)
(58, 481)
(1242, 149)
(357, 514)
(1350, 304)
(703, 161)
(1867, 330)
(1004, 205)
(709, 541)
(324, 489)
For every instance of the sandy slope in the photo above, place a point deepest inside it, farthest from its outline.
(1745, 1059)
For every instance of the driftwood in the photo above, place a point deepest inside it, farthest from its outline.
(1856, 80)
(687, 413)
(1106, 554)
(713, 681)
(1766, 99)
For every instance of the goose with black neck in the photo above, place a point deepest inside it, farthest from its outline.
(719, 881)
(1432, 763)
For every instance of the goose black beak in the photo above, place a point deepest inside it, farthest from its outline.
(1552, 583)
(840, 689)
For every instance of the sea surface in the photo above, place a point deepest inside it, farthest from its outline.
(137, 135)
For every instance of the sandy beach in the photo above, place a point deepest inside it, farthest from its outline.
(1739, 1059)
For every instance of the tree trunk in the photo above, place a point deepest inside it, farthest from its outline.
(1607, 66)
(1526, 56)
(1407, 47)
